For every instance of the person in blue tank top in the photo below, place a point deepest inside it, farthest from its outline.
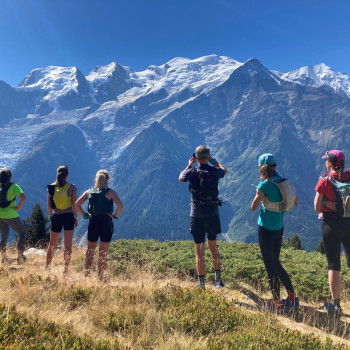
(270, 231)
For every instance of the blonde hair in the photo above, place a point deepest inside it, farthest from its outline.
(101, 179)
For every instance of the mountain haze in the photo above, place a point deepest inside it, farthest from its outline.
(144, 126)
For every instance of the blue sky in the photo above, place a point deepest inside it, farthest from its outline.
(282, 34)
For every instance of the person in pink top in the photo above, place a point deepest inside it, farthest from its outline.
(335, 228)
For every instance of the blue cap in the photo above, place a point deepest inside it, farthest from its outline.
(266, 158)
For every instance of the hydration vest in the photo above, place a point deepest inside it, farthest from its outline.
(288, 194)
(4, 203)
(342, 192)
(98, 203)
(207, 188)
(59, 196)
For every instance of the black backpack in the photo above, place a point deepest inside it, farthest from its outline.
(207, 188)
(4, 203)
(98, 203)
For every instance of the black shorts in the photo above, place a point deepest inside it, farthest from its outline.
(65, 221)
(102, 227)
(335, 231)
(202, 225)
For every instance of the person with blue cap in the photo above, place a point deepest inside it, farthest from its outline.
(270, 231)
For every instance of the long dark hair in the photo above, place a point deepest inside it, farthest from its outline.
(266, 171)
(5, 176)
(62, 172)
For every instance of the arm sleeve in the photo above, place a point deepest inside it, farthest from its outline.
(220, 173)
(15, 191)
(186, 175)
(321, 186)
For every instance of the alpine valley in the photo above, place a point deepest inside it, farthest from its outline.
(144, 126)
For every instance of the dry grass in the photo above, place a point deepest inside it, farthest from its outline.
(119, 311)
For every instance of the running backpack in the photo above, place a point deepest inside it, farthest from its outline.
(288, 194)
(207, 186)
(59, 198)
(98, 203)
(4, 203)
(342, 192)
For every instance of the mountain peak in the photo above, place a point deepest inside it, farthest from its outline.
(50, 78)
(319, 75)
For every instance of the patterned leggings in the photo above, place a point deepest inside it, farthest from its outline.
(17, 225)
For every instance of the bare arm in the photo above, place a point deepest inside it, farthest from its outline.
(80, 201)
(49, 209)
(74, 199)
(318, 201)
(189, 166)
(114, 196)
(259, 197)
(21, 202)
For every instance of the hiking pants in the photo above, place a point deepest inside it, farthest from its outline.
(17, 225)
(270, 242)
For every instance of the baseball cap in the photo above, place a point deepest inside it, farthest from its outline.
(335, 157)
(266, 158)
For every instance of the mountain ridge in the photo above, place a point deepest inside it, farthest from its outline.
(239, 109)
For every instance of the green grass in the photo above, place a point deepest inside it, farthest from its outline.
(19, 332)
(241, 262)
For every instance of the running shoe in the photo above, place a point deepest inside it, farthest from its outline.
(219, 283)
(333, 309)
(289, 305)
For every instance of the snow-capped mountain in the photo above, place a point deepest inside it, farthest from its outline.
(319, 75)
(143, 127)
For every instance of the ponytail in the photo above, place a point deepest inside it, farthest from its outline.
(5, 176)
(101, 179)
(62, 173)
(340, 169)
(266, 172)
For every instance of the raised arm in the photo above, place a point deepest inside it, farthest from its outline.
(218, 165)
(189, 166)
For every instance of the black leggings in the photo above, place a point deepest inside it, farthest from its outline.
(270, 246)
(335, 231)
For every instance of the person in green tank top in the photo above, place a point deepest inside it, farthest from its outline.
(60, 205)
(100, 215)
